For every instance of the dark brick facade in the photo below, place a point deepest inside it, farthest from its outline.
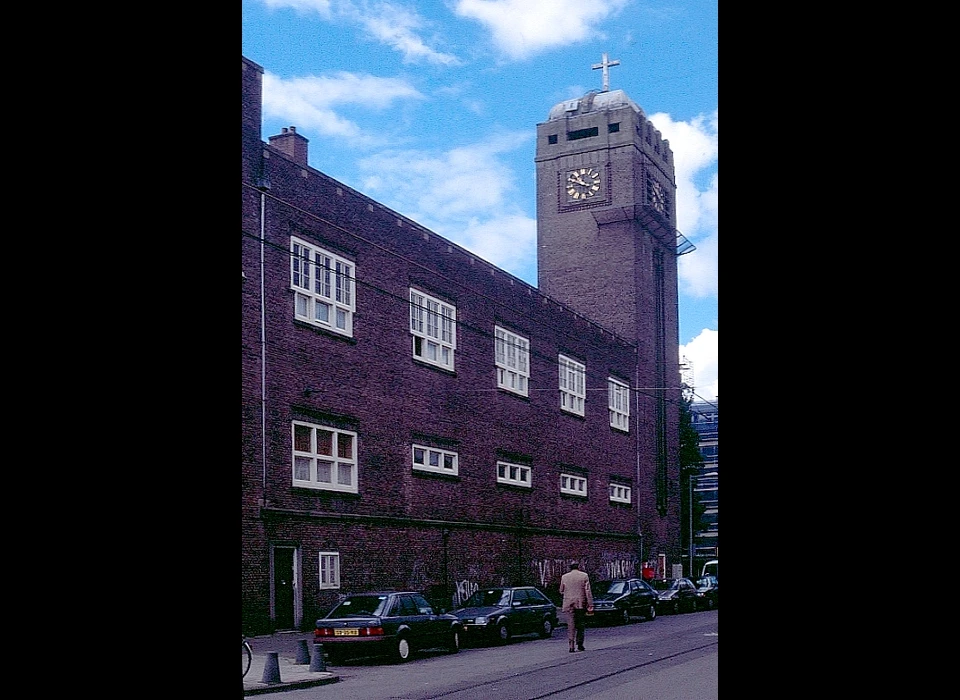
(438, 533)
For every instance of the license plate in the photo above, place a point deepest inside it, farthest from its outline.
(346, 633)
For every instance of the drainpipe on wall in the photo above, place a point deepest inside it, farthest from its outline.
(264, 185)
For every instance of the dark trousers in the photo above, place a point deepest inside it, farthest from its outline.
(576, 623)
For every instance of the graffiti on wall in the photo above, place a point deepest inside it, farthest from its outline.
(549, 571)
(619, 568)
(465, 589)
(418, 577)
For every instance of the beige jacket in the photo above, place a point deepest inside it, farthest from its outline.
(575, 587)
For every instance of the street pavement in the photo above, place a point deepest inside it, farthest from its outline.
(292, 668)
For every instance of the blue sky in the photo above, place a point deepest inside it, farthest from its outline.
(431, 107)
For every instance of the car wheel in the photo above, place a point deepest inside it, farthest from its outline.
(709, 603)
(625, 616)
(676, 608)
(547, 629)
(454, 643)
(652, 612)
(503, 633)
(403, 649)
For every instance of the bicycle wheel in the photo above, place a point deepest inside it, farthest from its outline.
(247, 657)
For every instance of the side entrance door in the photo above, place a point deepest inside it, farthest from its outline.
(283, 586)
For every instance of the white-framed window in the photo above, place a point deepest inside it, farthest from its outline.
(573, 390)
(513, 361)
(324, 458)
(323, 285)
(619, 396)
(573, 484)
(619, 493)
(433, 324)
(430, 459)
(516, 474)
(329, 569)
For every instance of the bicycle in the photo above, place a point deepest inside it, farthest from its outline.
(247, 655)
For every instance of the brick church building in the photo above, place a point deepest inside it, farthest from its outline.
(414, 417)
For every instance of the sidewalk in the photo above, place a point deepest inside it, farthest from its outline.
(293, 673)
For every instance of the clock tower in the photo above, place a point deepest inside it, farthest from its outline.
(607, 244)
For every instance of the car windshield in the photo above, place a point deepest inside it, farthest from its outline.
(359, 605)
(665, 584)
(493, 596)
(617, 587)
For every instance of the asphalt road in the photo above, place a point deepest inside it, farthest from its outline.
(675, 657)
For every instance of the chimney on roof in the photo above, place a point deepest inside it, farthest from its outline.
(291, 143)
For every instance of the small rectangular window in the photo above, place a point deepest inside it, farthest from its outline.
(582, 133)
(431, 459)
(613, 128)
(329, 569)
(573, 484)
(619, 493)
(552, 138)
(515, 474)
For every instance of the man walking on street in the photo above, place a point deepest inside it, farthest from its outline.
(577, 601)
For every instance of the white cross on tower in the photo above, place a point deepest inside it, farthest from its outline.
(605, 64)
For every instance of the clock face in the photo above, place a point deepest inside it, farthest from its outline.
(583, 183)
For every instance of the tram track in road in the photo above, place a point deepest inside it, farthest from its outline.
(472, 688)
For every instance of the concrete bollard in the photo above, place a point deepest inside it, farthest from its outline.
(317, 663)
(303, 652)
(271, 669)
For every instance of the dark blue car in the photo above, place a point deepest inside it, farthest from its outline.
(394, 624)
(499, 613)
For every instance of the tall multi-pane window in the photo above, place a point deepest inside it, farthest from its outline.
(515, 474)
(323, 285)
(573, 390)
(329, 569)
(619, 398)
(513, 361)
(324, 458)
(434, 327)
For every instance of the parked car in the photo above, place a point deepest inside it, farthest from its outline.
(676, 594)
(618, 600)
(394, 624)
(708, 590)
(497, 614)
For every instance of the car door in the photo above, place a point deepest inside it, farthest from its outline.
(539, 606)
(520, 612)
(431, 629)
(633, 599)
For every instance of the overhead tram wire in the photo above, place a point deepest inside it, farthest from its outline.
(432, 272)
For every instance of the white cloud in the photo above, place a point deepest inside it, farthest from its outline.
(394, 25)
(321, 7)
(695, 145)
(522, 28)
(309, 103)
(462, 194)
(702, 354)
